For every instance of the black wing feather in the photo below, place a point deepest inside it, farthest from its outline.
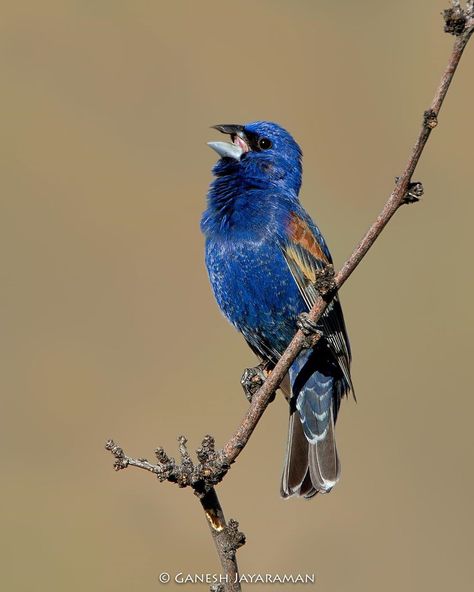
(304, 267)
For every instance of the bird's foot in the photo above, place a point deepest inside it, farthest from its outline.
(414, 192)
(325, 284)
(252, 379)
(309, 329)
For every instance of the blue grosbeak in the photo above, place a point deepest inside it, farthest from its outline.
(263, 254)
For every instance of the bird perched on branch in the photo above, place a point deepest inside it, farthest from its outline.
(263, 256)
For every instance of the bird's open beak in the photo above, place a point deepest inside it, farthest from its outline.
(234, 149)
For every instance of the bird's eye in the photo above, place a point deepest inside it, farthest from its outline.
(264, 143)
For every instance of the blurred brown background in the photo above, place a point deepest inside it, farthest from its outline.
(109, 328)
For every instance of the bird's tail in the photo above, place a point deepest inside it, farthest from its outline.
(311, 463)
(310, 467)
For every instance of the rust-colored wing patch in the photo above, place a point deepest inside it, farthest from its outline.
(301, 234)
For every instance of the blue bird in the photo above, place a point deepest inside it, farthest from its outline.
(263, 253)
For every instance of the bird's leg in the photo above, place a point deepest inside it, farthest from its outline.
(253, 378)
(414, 192)
(310, 330)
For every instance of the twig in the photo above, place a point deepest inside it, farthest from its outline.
(213, 465)
(459, 22)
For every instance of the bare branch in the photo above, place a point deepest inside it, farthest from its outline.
(398, 197)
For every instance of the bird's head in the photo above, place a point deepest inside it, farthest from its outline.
(261, 153)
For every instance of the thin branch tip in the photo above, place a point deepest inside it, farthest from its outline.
(459, 20)
(121, 461)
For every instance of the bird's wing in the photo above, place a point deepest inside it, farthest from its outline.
(306, 253)
(260, 346)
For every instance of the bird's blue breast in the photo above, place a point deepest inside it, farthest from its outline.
(254, 288)
(245, 225)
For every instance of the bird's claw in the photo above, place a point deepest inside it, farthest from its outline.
(252, 379)
(310, 330)
(414, 192)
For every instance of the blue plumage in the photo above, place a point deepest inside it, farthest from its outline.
(262, 255)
